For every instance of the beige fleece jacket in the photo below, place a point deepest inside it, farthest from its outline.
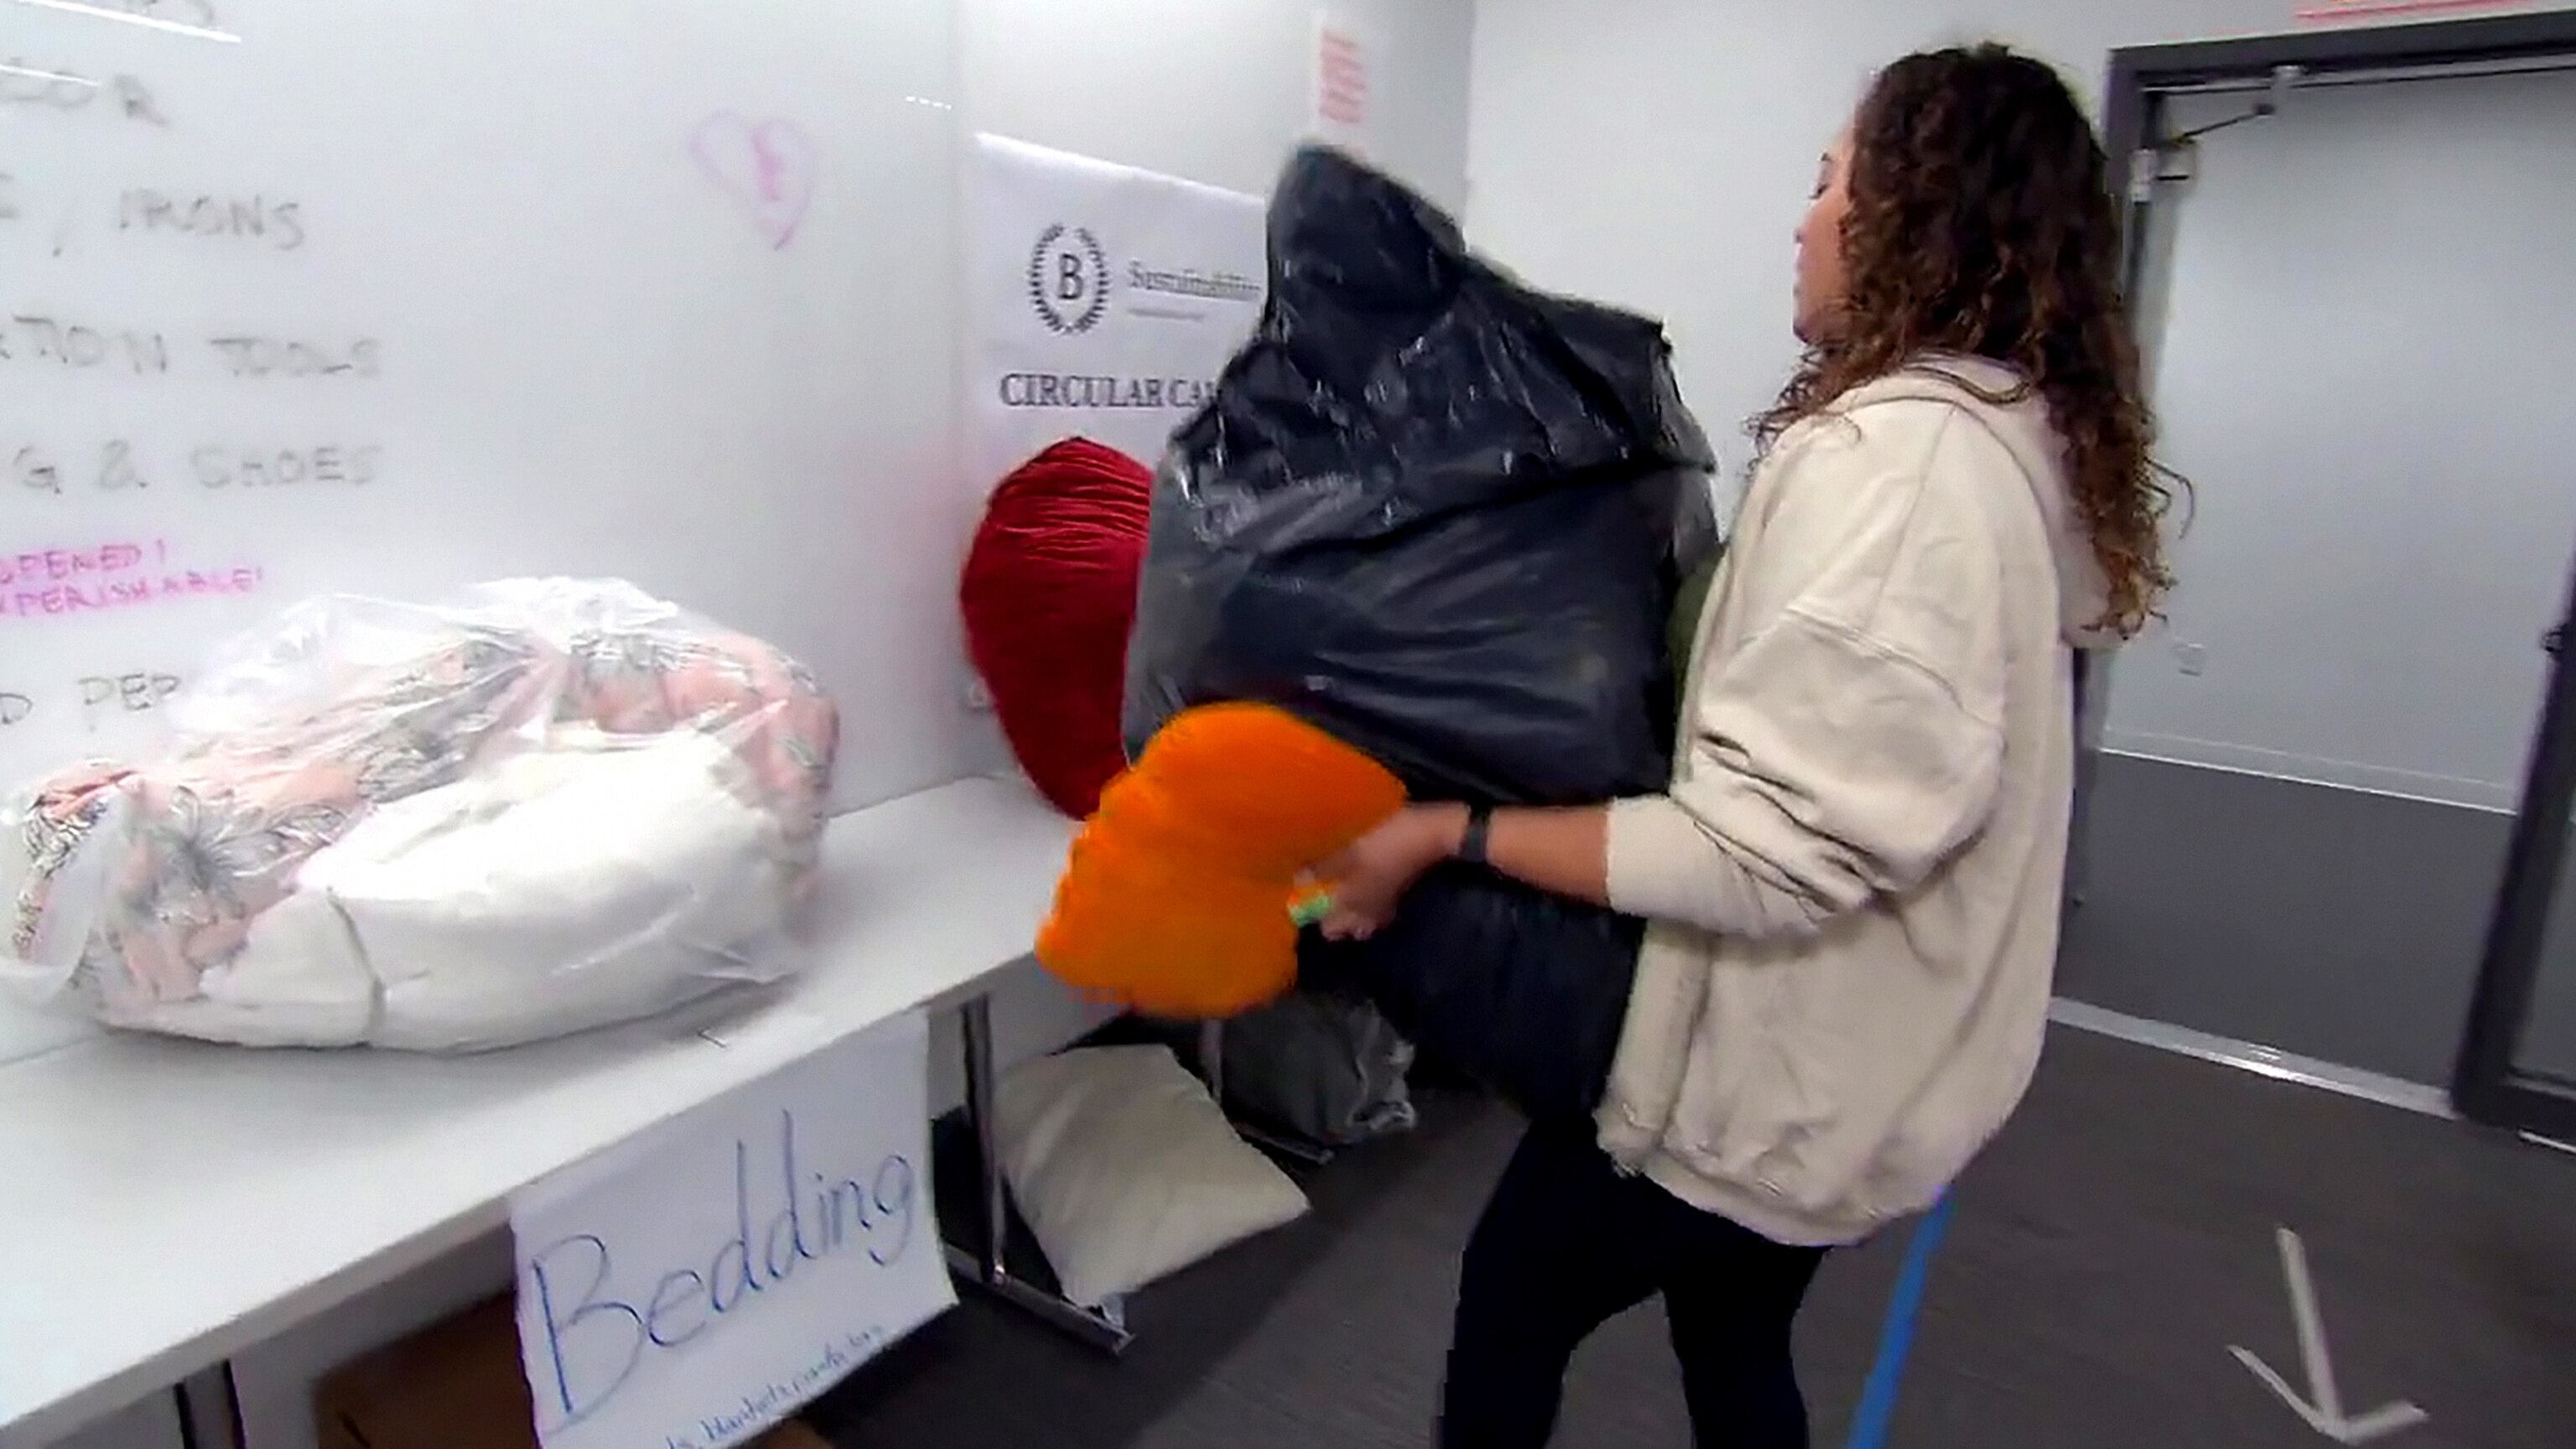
(1854, 878)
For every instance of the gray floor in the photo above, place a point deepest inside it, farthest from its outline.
(2332, 923)
(2106, 1253)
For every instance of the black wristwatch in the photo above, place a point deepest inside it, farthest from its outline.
(1471, 843)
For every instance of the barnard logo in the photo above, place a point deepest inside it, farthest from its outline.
(1069, 279)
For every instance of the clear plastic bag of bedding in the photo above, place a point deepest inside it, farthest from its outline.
(546, 806)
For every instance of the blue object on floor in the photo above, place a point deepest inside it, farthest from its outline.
(1896, 1337)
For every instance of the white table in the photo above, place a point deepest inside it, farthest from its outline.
(165, 1205)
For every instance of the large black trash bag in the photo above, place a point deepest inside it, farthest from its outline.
(1444, 518)
(1523, 991)
(1436, 513)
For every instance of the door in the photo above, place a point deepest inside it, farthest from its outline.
(2308, 773)
(2518, 1063)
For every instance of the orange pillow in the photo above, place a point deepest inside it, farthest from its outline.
(1176, 900)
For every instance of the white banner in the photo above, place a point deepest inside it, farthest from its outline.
(1102, 301)
(694, 1287)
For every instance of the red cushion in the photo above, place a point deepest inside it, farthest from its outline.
(1049, 595)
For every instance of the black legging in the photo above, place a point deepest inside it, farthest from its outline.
(1568, 1243)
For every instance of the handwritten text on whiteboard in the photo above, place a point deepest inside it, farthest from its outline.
(51, 583)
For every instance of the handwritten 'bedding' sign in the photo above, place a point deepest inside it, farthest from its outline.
(693, 1289)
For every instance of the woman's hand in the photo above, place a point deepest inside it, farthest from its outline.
(1369, 879)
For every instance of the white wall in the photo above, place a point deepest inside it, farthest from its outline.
(2364, 360)
(1212, 90)
(1659, 153)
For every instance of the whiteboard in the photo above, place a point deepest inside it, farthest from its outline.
(390, 297)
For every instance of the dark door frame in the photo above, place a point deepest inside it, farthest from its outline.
(2143, 76)
(2486, 1085)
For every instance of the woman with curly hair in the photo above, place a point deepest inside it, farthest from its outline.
(1853, 879)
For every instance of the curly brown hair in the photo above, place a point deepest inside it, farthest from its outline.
(1982, 223)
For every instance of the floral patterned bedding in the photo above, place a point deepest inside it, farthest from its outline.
(132, 881)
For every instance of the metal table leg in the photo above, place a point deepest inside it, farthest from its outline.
(1212, 1058)
(990, 1271)
(210, 1415)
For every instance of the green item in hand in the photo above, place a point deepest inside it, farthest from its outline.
(1682, 630)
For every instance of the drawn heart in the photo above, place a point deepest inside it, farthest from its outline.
(767, 165)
